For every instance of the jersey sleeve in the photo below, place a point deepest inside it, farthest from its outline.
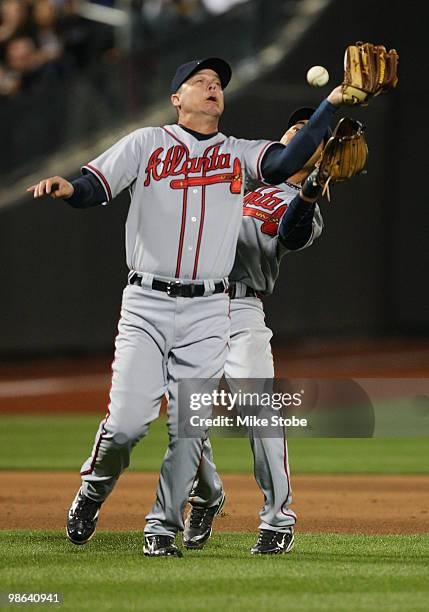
(252, 155)
(118, 167)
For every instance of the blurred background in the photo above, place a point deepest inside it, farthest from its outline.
(76, 75)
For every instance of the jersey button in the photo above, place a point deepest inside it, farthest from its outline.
(195, 191)
(189, 248)
(193, 219)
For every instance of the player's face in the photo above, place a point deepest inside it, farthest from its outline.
(287, 136)
(202, 93)
(291, 132)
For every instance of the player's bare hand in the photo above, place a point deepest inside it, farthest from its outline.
(336, 96)
(56, 187)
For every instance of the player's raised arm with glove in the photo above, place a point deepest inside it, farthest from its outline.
(302, 222)
(369, 70)
(281, 161)
(344, 155)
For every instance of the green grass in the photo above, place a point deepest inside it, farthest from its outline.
(324, 572)
(63, 442)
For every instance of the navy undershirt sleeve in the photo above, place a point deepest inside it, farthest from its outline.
(88, 192)
(296, 225)
(281, 162)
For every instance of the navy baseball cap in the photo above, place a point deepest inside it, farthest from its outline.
(303, 113)
(185, 71)
(300, 114)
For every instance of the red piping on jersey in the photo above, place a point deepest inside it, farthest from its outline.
(103, 179)
(182, 233)
(264, 148)
(183, 144)
(203, 209)
(200, 181)
(200, 232)
(179, 141)
(185, 196)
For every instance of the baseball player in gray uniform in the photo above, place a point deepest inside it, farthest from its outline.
(276, 220)
(186, 183)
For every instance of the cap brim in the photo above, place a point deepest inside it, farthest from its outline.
(301, 114)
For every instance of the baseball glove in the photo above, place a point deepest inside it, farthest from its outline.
(344, 155)
(369, 70)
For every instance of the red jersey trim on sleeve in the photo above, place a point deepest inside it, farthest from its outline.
(102, 179)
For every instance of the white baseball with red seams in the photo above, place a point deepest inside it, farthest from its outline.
(317, 76)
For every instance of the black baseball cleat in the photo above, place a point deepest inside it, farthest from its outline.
(199, 524)
(82, 519)
(273, 542)
(160, 546)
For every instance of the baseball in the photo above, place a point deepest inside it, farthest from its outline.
(317, 76)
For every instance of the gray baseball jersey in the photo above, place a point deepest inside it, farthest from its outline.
(186, 198)
(257, 263)
(259, 252)
(183, 222)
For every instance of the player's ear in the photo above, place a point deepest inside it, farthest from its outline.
(175, 100)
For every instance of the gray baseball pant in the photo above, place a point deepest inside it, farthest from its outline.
(161, 340)
(250, 357)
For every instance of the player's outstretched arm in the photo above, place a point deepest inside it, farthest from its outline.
(56, 187)
(281, 162)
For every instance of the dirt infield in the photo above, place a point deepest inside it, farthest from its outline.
(335, 504)
(324, 503)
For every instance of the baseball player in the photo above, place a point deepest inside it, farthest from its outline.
(276, 220)
(186, 183)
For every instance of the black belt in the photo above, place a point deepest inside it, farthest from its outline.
(177, 288)
(233, 289)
